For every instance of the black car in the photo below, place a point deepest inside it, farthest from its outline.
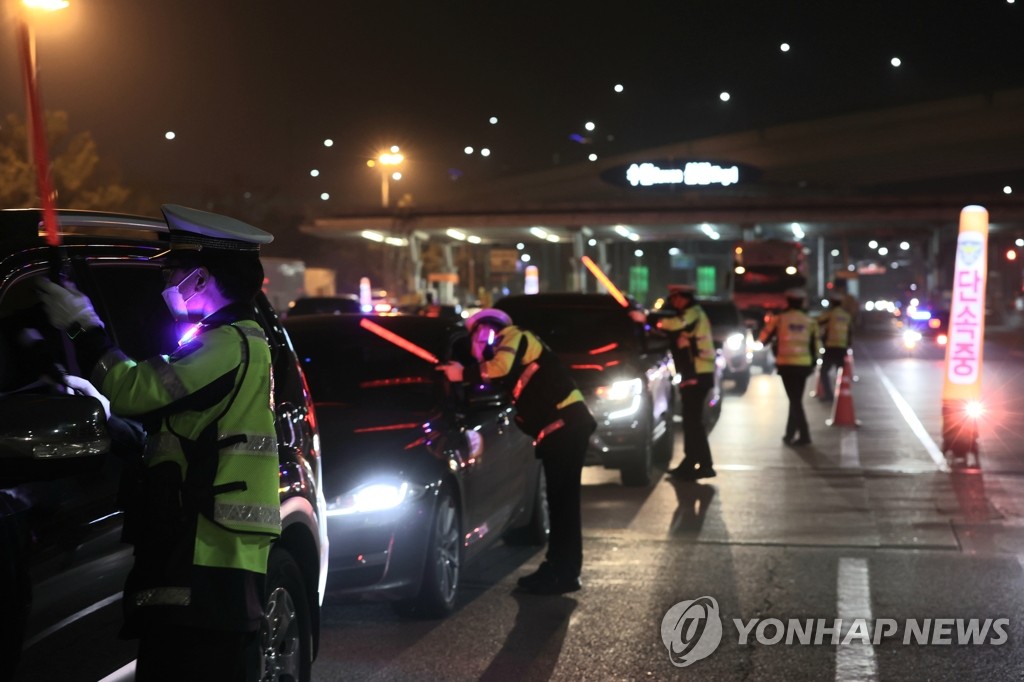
(317, 305)
(62, 562)
(623, 368)
(420, 475)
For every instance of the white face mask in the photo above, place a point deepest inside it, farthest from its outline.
(176, 302)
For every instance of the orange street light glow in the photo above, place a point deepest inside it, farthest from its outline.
(394, 338)
(603, 279)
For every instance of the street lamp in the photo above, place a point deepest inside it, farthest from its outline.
(388, 162)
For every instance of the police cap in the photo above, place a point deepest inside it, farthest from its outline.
(191, 229)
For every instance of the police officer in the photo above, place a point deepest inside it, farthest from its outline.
(207, 505)
(694, 356)
(795, 336)
(836, 329)
(550, 409)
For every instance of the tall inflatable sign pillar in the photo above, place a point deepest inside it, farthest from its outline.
(531, 284)
(961, 389)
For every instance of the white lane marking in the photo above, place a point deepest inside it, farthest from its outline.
(71, 619)
(855, 660)
(849, 451)
(913, 422)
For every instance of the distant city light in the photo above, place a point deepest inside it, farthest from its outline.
(591, 242)
(784, 47)
(904, 246)
(314, 172)
(468, 150)
(493, 120)
(639, 253)
(592, 157)
(1007, 190)
(396, 175)
(520, 246)
(710, 231)
(1011, 255)
(798, 231)
(1019, 242)
(394, 149)
(525, 258)
(674, 251)
(589, 125)
(895, 61)
(473, 239)
(725, 96)
(872, 244)
(485, 152)
(883, 251)
(618, 87)
(328, 142)
(169, 135)
(835, 253)
(325, 196)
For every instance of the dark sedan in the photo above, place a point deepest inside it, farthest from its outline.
(420, 476)
(624, 371)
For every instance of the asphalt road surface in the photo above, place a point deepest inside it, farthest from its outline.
(862, 556)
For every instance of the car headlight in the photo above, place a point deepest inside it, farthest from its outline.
(734, 342)
(620, 390)
(371, 497)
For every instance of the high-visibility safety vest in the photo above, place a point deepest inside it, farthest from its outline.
(692, 330)
(834, 325)
(540, 384)
(218, 384)
(797, 336)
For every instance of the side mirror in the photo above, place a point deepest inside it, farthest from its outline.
(486, 397)
(50, 436)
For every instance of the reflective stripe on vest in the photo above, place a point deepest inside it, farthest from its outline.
(524, 379)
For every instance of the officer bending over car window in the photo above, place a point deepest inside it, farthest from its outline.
(206, 508)
(694, 356)
(549, 408)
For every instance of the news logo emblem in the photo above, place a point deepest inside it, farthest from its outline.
(691, 630)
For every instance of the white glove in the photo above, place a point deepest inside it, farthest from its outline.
(66, 305)
(452, 370)
(80, 386)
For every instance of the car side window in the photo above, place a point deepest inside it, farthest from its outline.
(128, 297)
(24, 357)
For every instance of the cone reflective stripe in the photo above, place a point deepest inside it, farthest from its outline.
(842, 408)
(819, 391)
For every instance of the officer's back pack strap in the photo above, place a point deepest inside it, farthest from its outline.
(517, 362)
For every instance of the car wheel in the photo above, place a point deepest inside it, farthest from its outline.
(443, 568)
(742, 381)
(638, 471)
(539, 527)
(286, 643)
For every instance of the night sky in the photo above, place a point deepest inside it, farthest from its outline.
(253, 88)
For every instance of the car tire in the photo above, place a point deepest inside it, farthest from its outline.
(443, 566)
(286, 641)
(742, 381)
(638, 472)
(534, 533)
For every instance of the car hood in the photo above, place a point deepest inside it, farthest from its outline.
(358, 445)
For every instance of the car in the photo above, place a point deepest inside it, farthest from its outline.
(924, 331)
(312, 305)
(449, 312)
(421, 476)
(624, 370)
(762, 354)
(62, 564)
(733, 340)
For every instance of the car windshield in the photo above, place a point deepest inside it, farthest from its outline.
(349, 366)
(579, 330)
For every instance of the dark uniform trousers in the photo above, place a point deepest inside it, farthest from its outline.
(794, 379)
(696, 451)
(562, 453)
(832, 358)
(172, 652)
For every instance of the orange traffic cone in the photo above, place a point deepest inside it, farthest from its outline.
(842, 408)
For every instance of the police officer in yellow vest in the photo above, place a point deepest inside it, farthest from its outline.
(207, 506)
(550, 409)
(694, 356)
(836, 328)
(795, 336)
